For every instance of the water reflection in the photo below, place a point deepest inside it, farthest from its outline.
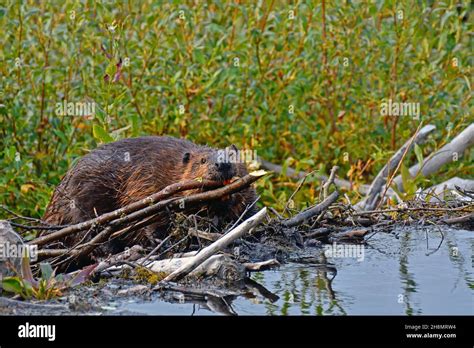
(305, 287)
(409, 271)
(409, 284)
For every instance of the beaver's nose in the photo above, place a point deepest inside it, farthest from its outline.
(223, 166)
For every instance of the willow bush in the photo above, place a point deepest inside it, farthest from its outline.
(300, 82)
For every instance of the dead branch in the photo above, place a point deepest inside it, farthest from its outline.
(131, 254)
(183, 203)
(447, 154)
(204, 254)
(330, 181)
(295, 192)
(104, 218)
(318, 233)
(310, 212)
(261, 266)
(221, 266)
(373, 195)
(158, 247)
(452, 186)
(142, 208)
(353, 235)
(47, 253)
(186, 254)
(467, 207)
(204, 235)
(460, 219)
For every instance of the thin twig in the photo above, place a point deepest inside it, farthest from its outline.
(296, 191)
(330, 181)
(158, 247)
(392, 175)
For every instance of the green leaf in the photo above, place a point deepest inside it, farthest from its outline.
(135, 125)
(111, 69)
(408, 183)
(398, 192)
(199, 56)
(12, 284)
(101, 134)
(284, 168)
(10, 152)
(212, 80)
(419, 154)
(46, 271)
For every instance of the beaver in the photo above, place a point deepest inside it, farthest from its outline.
(122, 172)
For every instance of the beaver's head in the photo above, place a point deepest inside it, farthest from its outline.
(211, 164)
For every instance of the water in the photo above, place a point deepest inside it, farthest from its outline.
(402, 273)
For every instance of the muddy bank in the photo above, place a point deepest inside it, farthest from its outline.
(403, 270)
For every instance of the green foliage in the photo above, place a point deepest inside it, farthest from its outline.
(101, 134)
(270, 80)
(419, 154)
(47, 287)
(409, 185)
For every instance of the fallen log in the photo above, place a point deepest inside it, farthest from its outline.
(373, 196)
(220, 266)
(441, 191)
(459, 219)
(447, 154)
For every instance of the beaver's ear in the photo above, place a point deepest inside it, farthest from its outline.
(186, 157)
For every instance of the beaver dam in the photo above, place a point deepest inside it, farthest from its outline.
(334, 257)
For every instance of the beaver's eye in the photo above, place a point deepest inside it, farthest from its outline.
(203, 160)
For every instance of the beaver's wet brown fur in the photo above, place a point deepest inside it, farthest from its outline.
(119, 173)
